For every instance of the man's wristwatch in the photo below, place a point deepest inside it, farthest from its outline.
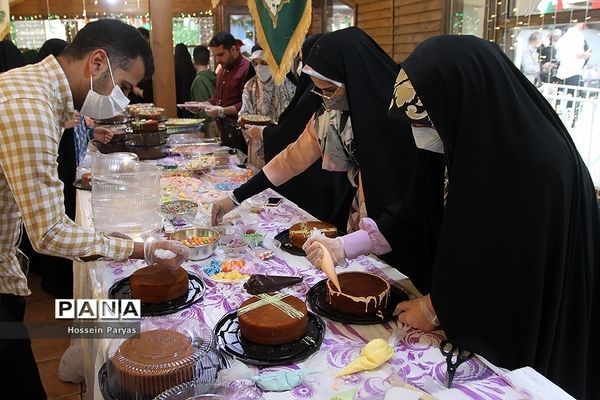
(221, 112)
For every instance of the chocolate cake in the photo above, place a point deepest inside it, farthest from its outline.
(144, 125)
(362, 293)
(299, 233)
(157, 360)
(268, 324)
(86, 180)
(158, 284)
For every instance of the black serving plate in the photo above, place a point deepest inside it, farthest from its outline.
(317, 298)
(287, 246)
(122, 290)
(231, 342)
(78, 185)
(103, 383)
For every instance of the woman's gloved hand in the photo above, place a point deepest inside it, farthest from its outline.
(334, 246)
(418, 313)
(167, 253)
(219, 209)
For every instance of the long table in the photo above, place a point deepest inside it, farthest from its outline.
(417, 360)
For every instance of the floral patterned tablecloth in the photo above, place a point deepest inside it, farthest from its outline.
(417, 359)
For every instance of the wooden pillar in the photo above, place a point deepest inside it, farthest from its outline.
(161, 40)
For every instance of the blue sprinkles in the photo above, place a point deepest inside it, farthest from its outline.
(213, 268)
(225, 186)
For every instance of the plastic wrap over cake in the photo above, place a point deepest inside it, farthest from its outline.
(167, 353)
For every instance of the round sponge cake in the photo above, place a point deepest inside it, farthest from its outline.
(271, 326)
(300, 232)
(157, 284)
(362, 293)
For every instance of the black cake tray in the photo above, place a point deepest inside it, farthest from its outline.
(287, 246)
(317, 298)
(196, 289)
(231, 342)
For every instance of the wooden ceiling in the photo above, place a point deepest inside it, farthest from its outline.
(72, 8)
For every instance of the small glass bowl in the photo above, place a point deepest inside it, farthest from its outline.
(232, 245)
(267, 249)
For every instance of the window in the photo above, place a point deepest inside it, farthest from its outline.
(242, 27)
(193, 31)
(339, 16)
(530, 32)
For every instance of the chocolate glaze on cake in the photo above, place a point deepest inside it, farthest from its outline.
(157, 284)
(156, 361)
(269, 325)
(362, 293)
(299, 233)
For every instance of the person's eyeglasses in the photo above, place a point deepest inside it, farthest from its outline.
(319, 92)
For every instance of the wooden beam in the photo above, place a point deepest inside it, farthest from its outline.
(71, 8)
(161, 39)
(13, 3)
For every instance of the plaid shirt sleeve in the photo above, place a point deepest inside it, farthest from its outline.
(28, 152)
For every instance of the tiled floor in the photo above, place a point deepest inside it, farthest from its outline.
(40, 308)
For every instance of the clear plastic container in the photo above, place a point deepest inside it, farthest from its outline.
(126, 195)
(167, 353)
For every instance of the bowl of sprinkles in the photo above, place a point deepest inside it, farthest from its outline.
(184, 209)
(201, 241)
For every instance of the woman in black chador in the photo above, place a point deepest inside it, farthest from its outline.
(350, 132)
(302, 188)
(515, 275)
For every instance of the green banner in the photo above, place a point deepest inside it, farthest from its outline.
(281, 26)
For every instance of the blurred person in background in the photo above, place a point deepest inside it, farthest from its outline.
(530, 60)
(548, 60)
(143, 92)
(263, 97)
(235, 71)
(203, 86)
(184, 76)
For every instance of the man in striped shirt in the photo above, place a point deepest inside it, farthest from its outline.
(35, 103)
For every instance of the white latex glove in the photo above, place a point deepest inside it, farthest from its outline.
(418, 313)
(335, 246)
(219, 209)
(167, 253)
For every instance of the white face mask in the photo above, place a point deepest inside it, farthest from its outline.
(263, 73)
(428, 139)
(299, 69)
(99, 106)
